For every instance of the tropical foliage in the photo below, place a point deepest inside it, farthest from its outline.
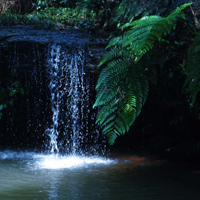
(122, 87)
(131, 10)
(193, 69)
(8, 95)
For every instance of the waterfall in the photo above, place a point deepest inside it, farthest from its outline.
(73, 119)
(55, 96)
(55, 112)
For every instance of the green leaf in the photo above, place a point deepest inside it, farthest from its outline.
(22, 91)
(123, 84)
(192, 82)
(12, 92)
(1, 107)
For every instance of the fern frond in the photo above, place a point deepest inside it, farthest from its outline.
(129, 9)
(115, 52)
(114, 41)
(120, 97)
(139, 38)
(123, 85)
(113, 67)
(133, 9)
(192, 81)
(109, 108)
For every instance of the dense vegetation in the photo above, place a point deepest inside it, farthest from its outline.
(151, 67)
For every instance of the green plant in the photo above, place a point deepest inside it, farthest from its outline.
(41, 4)
(8, 95)
(122, 87)
(38, 20)
(128, 11)
(192, 81)
(91, 7)
(9, 18)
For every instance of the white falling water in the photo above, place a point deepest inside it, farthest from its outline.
(55, 112)
(73, 126)
(55, 96)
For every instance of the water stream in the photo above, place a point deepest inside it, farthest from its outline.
(71, 90)
(50, 177)
(55, 112)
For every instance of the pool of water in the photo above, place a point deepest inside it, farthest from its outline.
(52, 177)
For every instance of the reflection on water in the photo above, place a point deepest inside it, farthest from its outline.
(27, 176)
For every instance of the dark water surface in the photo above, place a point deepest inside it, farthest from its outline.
(45, 177)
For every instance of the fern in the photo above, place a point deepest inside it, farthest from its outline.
(122, 97)
(192, 81)
(131, 10)
(123, 85)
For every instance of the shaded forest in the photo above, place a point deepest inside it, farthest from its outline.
(164, 111)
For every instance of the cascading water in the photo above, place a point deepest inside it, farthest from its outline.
(55, 113)
(73, 121)
(55, 97)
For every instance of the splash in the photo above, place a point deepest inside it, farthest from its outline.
(64, 162)
(53, 161)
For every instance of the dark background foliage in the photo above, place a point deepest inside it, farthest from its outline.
(167, 124)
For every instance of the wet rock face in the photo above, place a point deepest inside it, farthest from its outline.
(24, 57)
(68, 37)
(24, 62)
